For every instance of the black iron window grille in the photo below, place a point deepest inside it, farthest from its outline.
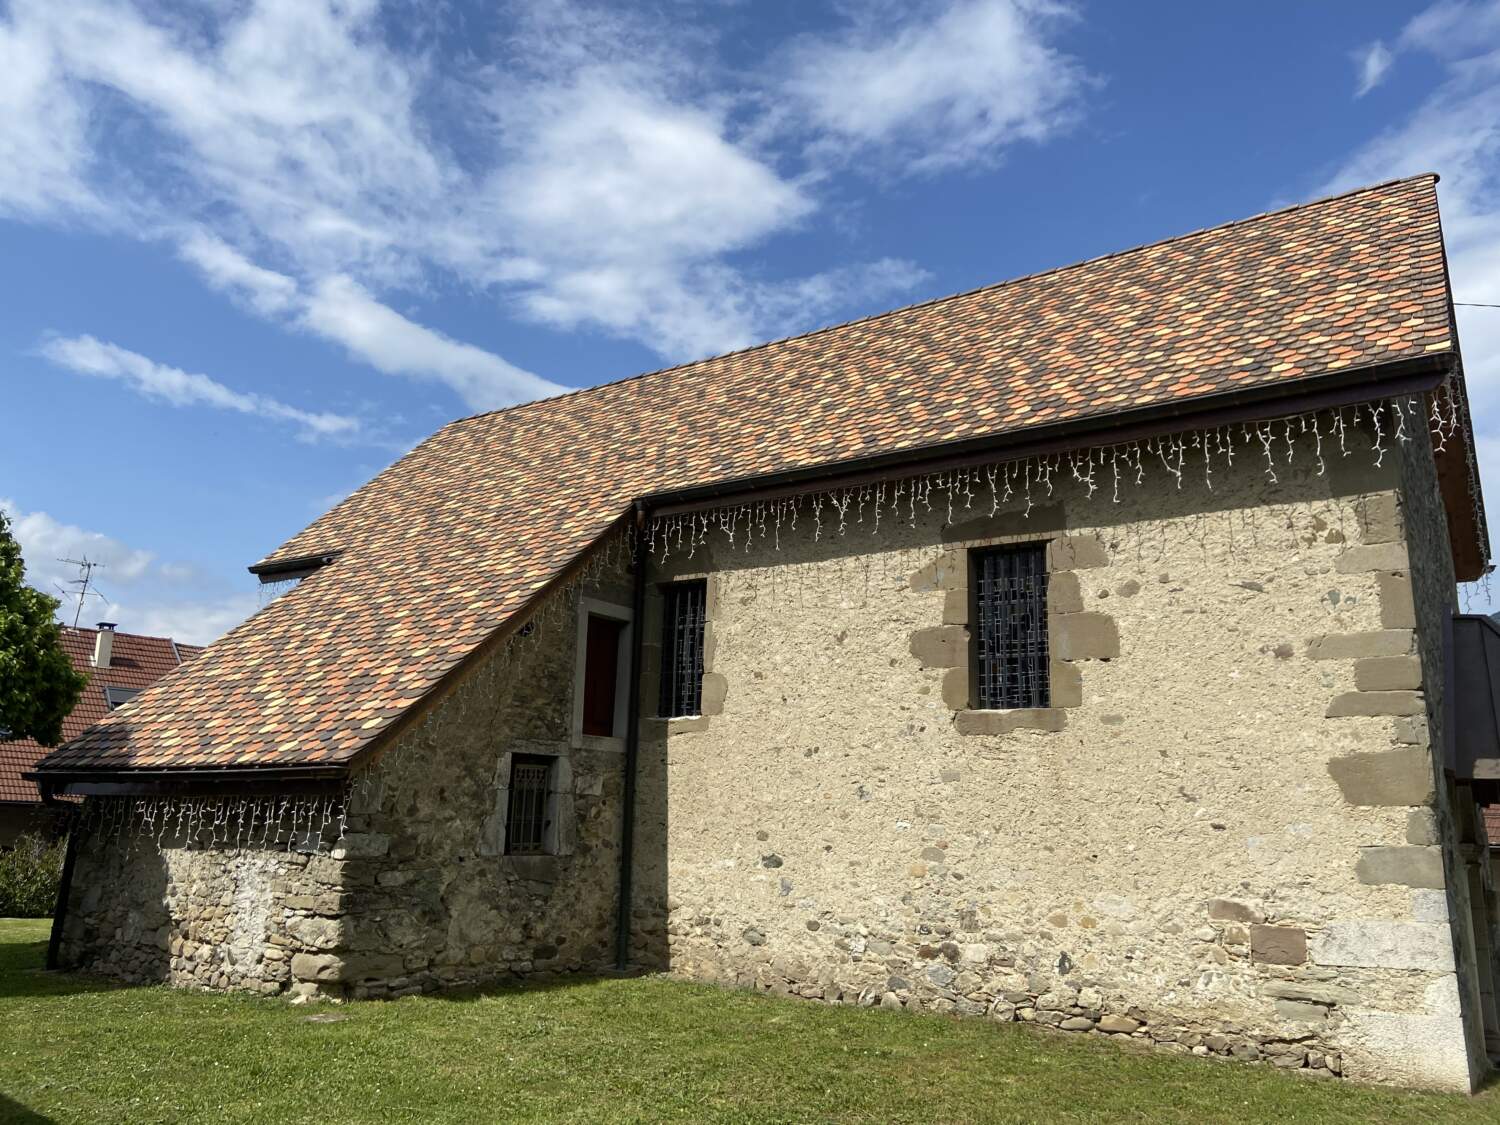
(682, 649)
(530, 815)
(1010, 643)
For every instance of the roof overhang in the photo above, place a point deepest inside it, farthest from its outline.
(247, 781)
(1420, 375)
(287, 570)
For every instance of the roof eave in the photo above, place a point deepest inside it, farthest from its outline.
(1418, 374)
(192, 781)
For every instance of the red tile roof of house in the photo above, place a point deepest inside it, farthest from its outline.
(1492, 824)
(446, 545)
(136, 662)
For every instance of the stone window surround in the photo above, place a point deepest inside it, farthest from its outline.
(561, 837)
(715, 687)
(1073, 634)
(593, 607)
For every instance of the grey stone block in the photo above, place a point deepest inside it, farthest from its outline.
(1086, 636)
(1278, 945)
(1355, 646)
(1388, 673)
(1376, 944)
(1076, 552)
(1421, 827)
(1298, 1012)
(1330, 995)
(1064, 593)
(1231, 910)
(1379, 556)
(1379, 518)
(956, 606)
(1354, 704)
(1042, 519)
(361, 846)
(1406, 866)
(1397, 610)
(715, 691)
(1385, 778)
(1003, 722)
(956, 688)
(1413, 731)
(949, 571)
(942, 646)
(1066, 683)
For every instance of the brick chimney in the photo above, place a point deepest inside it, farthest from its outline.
(104, 644)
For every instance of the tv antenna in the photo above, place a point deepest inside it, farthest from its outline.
(86, 567)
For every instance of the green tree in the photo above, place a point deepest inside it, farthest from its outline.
(38, 685)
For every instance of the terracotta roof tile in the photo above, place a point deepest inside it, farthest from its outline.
(445, 545)
(135, 662)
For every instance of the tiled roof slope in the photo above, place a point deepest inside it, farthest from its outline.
(445, 545)
(136, 662)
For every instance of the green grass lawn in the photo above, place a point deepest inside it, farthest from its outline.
(74, 1048)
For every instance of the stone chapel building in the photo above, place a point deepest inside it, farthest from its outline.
(1072, 651)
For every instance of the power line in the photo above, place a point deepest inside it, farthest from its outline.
(1477, 304)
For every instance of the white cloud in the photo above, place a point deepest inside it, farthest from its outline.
(1371, 62)
(943, 87)
(44, 151)
(46, 542)
(163, 599)
(591, 166)
(88, 356)
(193, 622)
(340, 309)
(225, 268)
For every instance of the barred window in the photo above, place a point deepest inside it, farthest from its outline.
(530, 812)
(1010, 636)
(682, 649)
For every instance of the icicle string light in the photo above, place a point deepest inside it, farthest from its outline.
(1274, 441)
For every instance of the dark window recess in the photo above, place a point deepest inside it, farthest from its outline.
(601, 669)
(115, 696)
(682, 649)
(528, 820)
(1010, 593)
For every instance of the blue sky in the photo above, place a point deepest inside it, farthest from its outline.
(251, 252)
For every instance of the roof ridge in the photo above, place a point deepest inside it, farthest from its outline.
(121, 633)
(1196, 233)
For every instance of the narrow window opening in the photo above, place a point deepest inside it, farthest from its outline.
(530, 813)
(1010, 639)
(683, 617)
(601, 669)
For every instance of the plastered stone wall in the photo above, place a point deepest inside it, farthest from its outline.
(1223, 836)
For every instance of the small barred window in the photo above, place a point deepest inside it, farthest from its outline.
(530, 812)
(683, 616)
(1010, 636)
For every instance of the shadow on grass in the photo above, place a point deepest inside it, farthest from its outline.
(563, 981)
(22, 975)
(15, 1112)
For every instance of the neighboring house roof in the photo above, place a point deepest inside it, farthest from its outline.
(136, 662)
(440, 550)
